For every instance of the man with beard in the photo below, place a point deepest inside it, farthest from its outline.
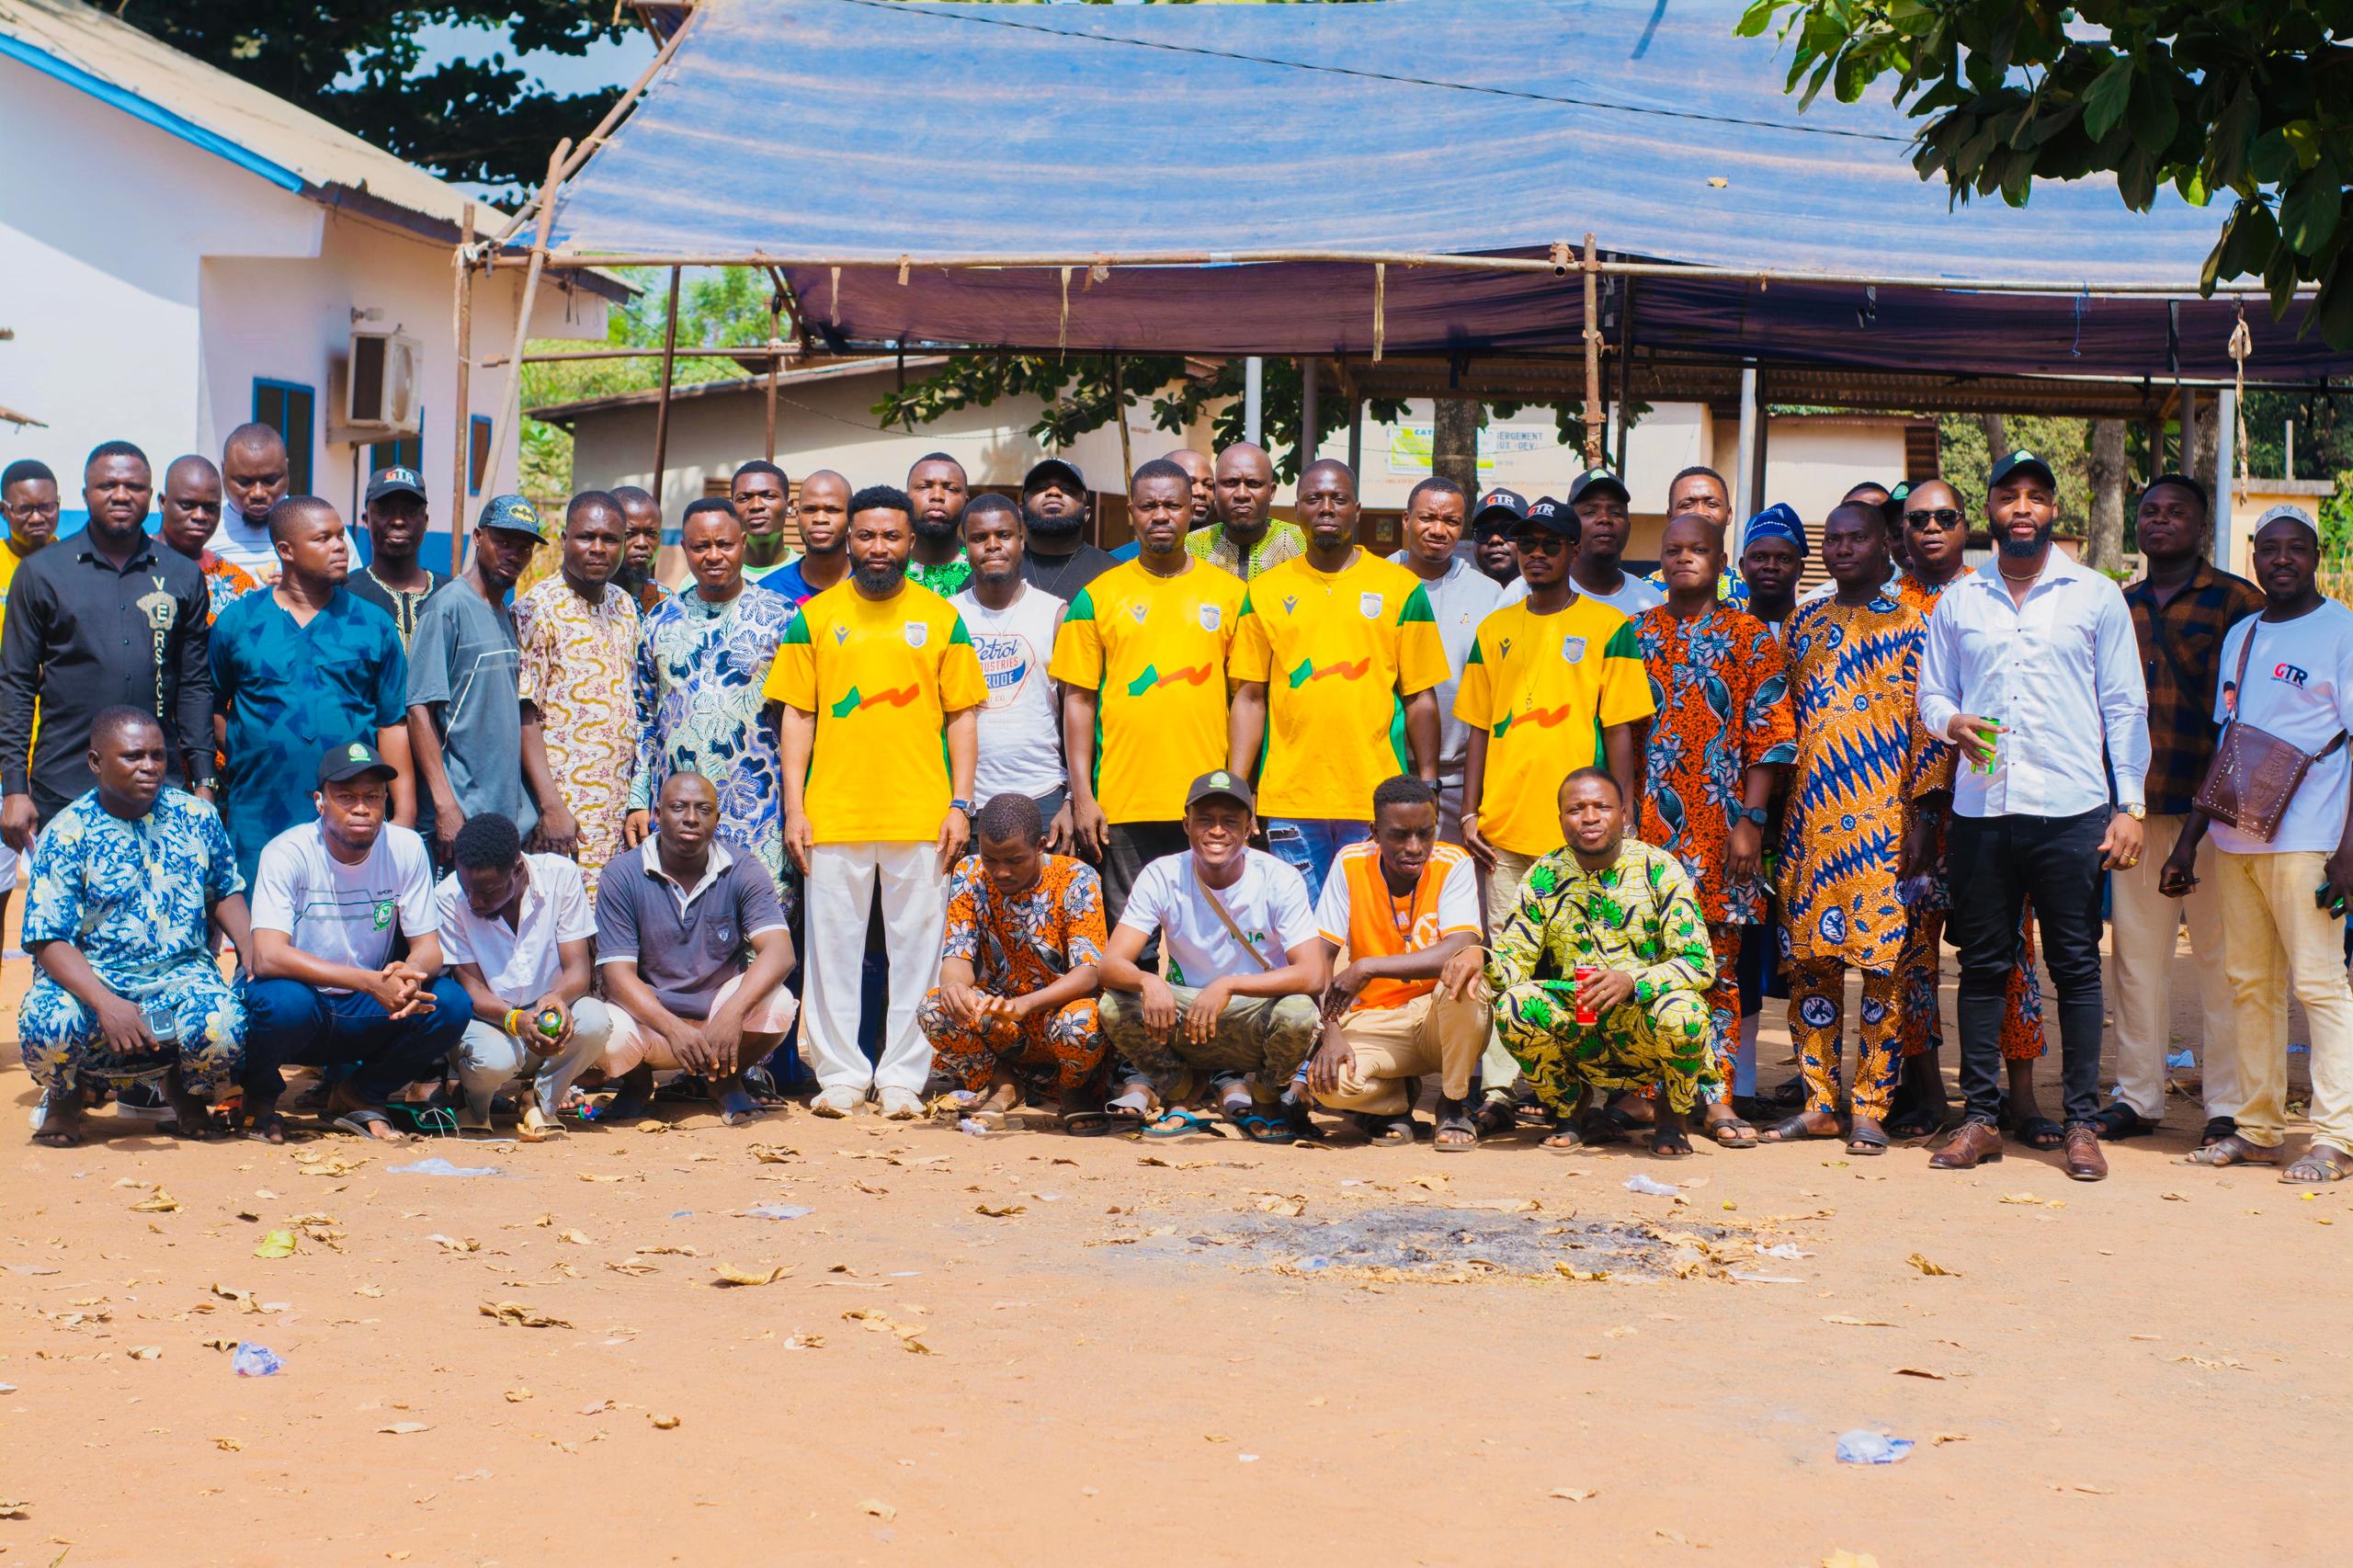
(1500, 511)
(641, 548)
(938, 488)
(1057, 557)
(2032, 669)
(763, 498)
(298, 666)
(190, 512)
(395, 514)
(1461, 598)
(1246, 539)
(106, 616)
(253, 471)
(823, 508)
(878, 682)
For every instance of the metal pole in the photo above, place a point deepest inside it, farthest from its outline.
(464, 337)
(2226, 441)
(1253, 398)
(1309, 410)
(1744, 489)
(662, 408)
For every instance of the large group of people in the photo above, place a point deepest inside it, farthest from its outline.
(1247, 829)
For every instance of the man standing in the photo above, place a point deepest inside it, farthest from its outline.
(641, 549)
(2181, 610)
(332, 901)
(1015, 1006)
(107, 617)
(299, 666)
(1201, 474)
(1336, 664)
(824, 512)
(879, 682)
(1718, 747)
(1499, 515)
(938, 488)
(393, 513)
(189, 514)
(576, 638)
(1461, 598)
(126, 885)
(1599, 500)
(1701, 493)
(466, 721)
(1244, 966)
(1247, 540)
(28, 503)
(1772, 560)
(255, 472)
(2290, 675)
(1141, 662)
(1057, 557)
(1401, 1007)
(1012, 624)
(2031, 670)
(763, 498)
(702, 659)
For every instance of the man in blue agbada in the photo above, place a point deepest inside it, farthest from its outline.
(126, 880)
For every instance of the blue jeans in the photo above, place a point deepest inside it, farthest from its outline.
(1311, 844)
(288, 1023)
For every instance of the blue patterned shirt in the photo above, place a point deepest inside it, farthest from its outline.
(133, 897)
(700, 667)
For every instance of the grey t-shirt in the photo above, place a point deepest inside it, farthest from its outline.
(685, 942)
(465, 657)
(1459, 601)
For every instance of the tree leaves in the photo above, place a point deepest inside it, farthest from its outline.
(2107, 99)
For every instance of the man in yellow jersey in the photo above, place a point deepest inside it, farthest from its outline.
(1141, 658)
(1333, 651)
(29, 500)
(873, 674)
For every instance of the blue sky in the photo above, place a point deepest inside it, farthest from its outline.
(609, 65)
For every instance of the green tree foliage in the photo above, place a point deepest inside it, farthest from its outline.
(2246, 100)
(356, 63)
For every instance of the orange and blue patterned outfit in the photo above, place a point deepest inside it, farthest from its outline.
(1017, 945)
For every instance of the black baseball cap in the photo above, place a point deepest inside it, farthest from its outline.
(1553, 516)
(1218, 782)
(397, 482)
(1498, 509)
(1602, 480)
(2026, 460)
(356, 761)
(1053, 468)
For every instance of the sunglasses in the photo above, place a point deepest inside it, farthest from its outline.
(1942, 517)
(1539, 543)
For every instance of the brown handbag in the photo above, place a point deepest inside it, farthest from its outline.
(2255, 773)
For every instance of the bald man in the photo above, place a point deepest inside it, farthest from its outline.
(1246, 539)
(824, 560)
(191, 514)
(1203, 475)
(255, 471)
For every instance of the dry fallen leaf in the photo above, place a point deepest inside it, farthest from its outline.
(1841, 1558)
(773, 1154)
(1948, 1437)
(278, 1243)
(591, 1175)
(2029, 1197)
(161, 1202)
(730, 1275)
(403, 1428)
(520, 1316)
(882, 1511)
(517, 1396)
(147, 1353)
(1006, 1212)
(452, 1243)
(1858, 1322)
(633, 1268)
(662, 1423)
(575, 1237)
(1569, 1493)
(1919, 1372)
(228, 1445)
(1931, 1269)
(15, 1508)
(1569, 1273)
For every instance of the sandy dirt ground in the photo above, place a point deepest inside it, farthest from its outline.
(1026, 1348)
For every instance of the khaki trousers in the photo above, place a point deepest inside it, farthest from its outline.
(2278, 939)
(1432, 1033)
(2142, 925)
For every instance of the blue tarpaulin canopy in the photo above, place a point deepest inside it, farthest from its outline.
(1224, 178)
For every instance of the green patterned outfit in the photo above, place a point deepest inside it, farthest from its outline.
(1637, 914)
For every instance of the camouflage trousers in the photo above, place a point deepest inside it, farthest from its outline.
(1633, 1045)
(1267, 1036)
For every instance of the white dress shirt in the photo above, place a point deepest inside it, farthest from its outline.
(1459, 601)
(521, 962)
(2059, 672)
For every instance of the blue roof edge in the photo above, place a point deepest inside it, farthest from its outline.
(139, 109)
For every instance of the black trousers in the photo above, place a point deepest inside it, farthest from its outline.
(1995, 864)
(1129, 847)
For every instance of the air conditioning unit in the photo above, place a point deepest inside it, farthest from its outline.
(380, 389)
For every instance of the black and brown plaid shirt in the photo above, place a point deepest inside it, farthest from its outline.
(2181, 647)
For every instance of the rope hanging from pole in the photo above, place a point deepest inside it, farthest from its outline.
(1380, 305)
(2242, 349)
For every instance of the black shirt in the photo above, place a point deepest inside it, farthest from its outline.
(400, 607)
(1063, 575)
(84, 635)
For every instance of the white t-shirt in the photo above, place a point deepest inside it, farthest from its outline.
(345, 915)
(1269, 901)
(239, 543)
(1021, 743)
(1634, 595)
(519, 964)
(2299, 688)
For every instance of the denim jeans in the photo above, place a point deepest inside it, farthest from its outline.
(1996, 863)
(1311, 844)
(288, 1022)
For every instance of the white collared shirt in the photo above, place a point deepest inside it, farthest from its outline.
(713, 870)
(522, 962)
(2061, 673)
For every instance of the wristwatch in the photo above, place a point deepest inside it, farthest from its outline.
(2138, 814)
(963, 806)
(1757, 814)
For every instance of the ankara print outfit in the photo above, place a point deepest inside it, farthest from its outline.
(700, 667)
(1016, 946)
(578, 664)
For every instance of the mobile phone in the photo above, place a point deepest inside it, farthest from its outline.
(2321, 901)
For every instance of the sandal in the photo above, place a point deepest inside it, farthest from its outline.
(2318, 1166)
(1670, 1143)
(1732, 1132)
(1378, 1129)
(1795, 1129)
(2225, 1153)
(2217, 1129)
(737, 1107)
(268, 1127)
(1567, 1133)
(1595, 1127)
(1495, 1117)
(1864, 1137)
(2038, 1132)
(1093, 1123)
(2120, 1121)
(1919, 1122)
(58, 1138)
(1789, 1093)
(1456, 1130)
(363, 1122)
(1180, 1124)
(1260, 1128)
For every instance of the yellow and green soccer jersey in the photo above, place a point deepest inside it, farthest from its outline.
(1153, 649)
(1542, 686)
(882, 676)
(1337, 651)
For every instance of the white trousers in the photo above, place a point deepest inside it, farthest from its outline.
(840, 894)
(2143, 923)
(488, 1058)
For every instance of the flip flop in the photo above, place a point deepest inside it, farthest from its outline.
(2225, 1153)
(2217, 1129)
(1263, 1128)
(362, 1123)
(1793, 1130)
(1734, 1125)
(1670, 1143)
(2119, 1121)
(2038, 1132)
(736, 1108)
(2315, 1168)
(1182, 1124)
(1378, 1129)
(1567, 1136)
(1093, 1123)
(269, 1127)
(1457, 1121)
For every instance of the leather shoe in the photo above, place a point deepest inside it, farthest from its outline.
(2085, 1161)
(1972, 1144)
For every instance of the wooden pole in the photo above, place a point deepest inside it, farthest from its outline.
(462, 309)
(662, 408)
(510, 401)
(776, 361)
(1592, 356)
(1120, 401)
(1310, 411)
(1625, 370)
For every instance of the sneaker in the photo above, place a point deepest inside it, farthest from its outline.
(141, 1102)
(834, 1102)
(38, 1115)
(901, 1105)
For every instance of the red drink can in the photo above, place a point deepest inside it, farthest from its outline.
(1586, 976)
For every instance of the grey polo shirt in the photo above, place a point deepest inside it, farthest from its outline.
(464, 663)
(1458, 602)
(685, 942)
